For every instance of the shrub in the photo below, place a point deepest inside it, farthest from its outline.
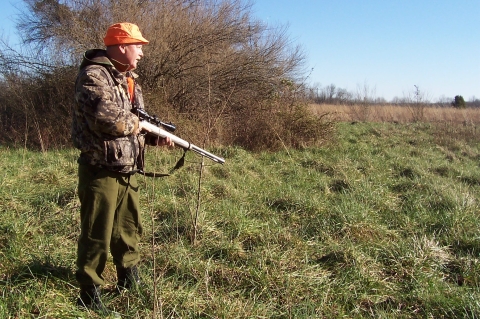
(459, 102)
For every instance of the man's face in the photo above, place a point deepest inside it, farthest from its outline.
(132, 54)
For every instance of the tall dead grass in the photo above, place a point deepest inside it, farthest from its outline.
(399, 114)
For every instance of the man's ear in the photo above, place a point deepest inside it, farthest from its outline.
(122, 47)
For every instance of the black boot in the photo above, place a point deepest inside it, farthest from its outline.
(127, 278)
(90, 298)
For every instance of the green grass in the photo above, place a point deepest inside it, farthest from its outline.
(381, 223)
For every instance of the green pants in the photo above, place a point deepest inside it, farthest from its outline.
(110, 220)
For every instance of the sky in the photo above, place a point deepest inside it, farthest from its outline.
(8, 12)
(386, 46)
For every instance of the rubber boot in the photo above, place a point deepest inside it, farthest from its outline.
(90, 298)
(128, 278)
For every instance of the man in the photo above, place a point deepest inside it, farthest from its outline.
(111, 142)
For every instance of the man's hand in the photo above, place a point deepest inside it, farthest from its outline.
(141, 128)
(159, 141)
(164, 141)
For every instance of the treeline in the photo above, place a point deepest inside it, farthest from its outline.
(331, 94)
(220, 75)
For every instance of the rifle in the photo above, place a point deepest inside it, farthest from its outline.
(154, 126)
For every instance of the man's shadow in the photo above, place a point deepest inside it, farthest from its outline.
(39, 269)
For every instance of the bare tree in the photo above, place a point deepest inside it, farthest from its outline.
(417, 101)
(364, 98)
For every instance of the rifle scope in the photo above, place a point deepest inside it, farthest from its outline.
(143, 115)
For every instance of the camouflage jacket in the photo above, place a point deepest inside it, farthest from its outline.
(103, 124)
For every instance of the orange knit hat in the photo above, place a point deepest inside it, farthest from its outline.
(124, 33)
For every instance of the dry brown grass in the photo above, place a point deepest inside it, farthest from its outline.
(399, 114)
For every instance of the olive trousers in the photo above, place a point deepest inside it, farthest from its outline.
(110, 220)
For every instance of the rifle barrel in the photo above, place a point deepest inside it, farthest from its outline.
(152, 128)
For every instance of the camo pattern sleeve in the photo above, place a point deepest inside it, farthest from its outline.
(100, 104)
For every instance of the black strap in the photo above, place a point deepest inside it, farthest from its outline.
(179, 164)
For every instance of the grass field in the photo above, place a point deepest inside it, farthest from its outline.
(400, 114)
(382, 222)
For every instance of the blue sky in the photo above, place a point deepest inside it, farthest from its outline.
(8, 12)
(386, 45)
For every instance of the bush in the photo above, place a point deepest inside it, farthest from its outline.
(459, 102)
(36, 109)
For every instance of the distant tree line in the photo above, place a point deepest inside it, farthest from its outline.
(332, 94)
(222, 76)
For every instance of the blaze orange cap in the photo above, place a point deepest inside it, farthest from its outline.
(124, 33)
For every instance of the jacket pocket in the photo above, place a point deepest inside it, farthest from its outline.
(121, 151)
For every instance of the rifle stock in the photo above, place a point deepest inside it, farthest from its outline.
(154, 129)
